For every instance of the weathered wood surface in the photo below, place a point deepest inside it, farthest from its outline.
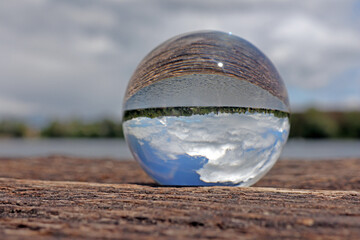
(326, 174)
(200, 53)
(128, 205)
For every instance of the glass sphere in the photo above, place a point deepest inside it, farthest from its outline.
(206, 108)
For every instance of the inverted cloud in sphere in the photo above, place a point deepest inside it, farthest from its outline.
(237, 146)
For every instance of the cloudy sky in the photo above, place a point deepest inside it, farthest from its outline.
(74, 58)
(234, 153)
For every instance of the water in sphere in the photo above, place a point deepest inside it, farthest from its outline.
(206, 108)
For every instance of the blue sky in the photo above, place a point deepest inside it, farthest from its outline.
(74, 58)
(235, 147)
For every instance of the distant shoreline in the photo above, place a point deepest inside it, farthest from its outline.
(311, 124)
(189, 111)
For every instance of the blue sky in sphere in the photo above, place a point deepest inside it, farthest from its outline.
(74, 58)
(213, 148)
(181, 171)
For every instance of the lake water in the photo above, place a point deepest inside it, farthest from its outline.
(98, 148)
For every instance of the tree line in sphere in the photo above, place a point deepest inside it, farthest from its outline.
(311, 124)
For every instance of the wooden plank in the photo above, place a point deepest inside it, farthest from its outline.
(42, 209)
(326, 174)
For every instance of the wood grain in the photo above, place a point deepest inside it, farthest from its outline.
(65, 208)
(298, 174)
(200, 53)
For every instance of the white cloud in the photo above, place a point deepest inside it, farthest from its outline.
(94, 45)
(90, 49)
(311, 52)
(13, 107)
(238, 147)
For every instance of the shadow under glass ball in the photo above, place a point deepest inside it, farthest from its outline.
(206, 108)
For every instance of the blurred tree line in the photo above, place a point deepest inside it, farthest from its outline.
(317, 124)
(105, 128)
(309, 124)
(13, 128)
(78, 129)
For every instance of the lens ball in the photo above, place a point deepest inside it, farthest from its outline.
(206, 108)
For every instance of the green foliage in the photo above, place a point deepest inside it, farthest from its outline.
(78, 129)
(189, 111)
(12, 128)
(310, 124)
(349, 125)
(317, 124)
